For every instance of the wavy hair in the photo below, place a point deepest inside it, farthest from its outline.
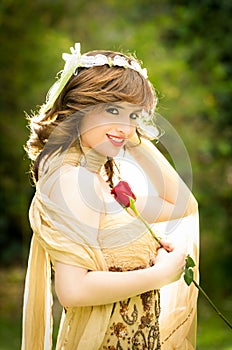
(90, 87)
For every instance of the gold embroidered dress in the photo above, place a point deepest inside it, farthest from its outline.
(134, 322)
(122, 244)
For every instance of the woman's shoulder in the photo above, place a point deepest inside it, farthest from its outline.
(77, 180)
(78, 190)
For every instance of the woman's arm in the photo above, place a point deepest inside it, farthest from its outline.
(80, 192)
(156, 209)
(76, 286)
(175, 198)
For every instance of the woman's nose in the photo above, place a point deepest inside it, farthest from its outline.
(125, 129)
(125, 126)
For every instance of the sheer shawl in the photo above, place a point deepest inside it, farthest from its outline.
(178, 317)
(58, 235)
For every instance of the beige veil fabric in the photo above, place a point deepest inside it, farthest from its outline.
(58, 235)
(178, 319)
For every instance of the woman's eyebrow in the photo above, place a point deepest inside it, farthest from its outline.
(137, 108)
(114, 105)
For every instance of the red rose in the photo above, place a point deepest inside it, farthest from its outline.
(122, 193)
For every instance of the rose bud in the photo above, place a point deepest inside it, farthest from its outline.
(122, 193)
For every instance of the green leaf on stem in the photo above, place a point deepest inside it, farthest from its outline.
(188, 276)
(188, 271)
(189, 262)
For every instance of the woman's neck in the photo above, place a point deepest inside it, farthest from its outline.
(88, 158)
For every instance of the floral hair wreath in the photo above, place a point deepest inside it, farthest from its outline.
(75, 60)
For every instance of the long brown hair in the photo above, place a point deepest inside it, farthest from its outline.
(89, 87)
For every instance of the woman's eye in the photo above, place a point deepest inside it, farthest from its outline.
(112, 110)
(134, 116)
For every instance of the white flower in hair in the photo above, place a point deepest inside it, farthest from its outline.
(144, 73)
(100, 60)
(145, 117)
(87, 61)
(136, 66)
(72, 61)
(120, 61)
(146, 125)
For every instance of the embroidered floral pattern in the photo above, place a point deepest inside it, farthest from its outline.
(119, 330)
(129, 319)
(134, 322)
(137, 326)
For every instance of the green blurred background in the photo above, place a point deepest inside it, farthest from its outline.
(187, 49)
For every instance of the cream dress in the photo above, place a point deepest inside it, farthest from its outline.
(122, 244)
(134, 323)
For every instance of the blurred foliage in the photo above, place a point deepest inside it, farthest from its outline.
(186, 46)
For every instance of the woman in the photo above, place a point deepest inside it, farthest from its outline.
(108, 268)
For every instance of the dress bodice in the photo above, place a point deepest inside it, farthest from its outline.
(124, 240)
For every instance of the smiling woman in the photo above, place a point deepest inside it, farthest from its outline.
(107, 129)
(108, 269)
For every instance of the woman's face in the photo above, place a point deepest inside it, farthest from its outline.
(108, 129)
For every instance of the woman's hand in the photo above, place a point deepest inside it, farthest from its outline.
(171, 261)
(167, 245)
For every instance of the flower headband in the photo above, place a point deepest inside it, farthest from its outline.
(76, 60)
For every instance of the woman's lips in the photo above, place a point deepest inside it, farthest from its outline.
(115, 140)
